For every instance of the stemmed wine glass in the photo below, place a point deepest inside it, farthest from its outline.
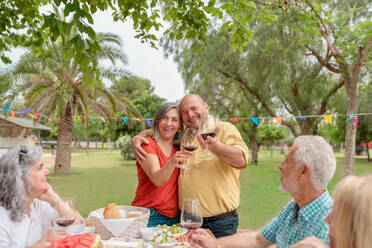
(208, 128)
(187, 144)
(191, 215)
(64, 221)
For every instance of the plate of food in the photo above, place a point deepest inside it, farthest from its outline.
(162, 239)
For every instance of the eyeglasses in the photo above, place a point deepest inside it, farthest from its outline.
(22, 151)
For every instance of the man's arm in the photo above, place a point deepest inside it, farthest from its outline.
(137, 141)
(243, 239)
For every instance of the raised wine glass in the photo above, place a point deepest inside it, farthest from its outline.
(191, 215)
(188, 145)
(64, 221)
(208, 128)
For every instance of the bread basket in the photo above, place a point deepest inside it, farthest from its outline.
(132, 231)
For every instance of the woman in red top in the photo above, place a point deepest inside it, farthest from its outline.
(158, 174)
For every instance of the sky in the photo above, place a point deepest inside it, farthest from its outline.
(143, 60)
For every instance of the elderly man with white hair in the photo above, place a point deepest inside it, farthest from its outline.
(305, 174)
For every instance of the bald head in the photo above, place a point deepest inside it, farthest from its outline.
(193, 98)
(193, 109)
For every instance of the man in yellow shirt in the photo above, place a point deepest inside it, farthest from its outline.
(215, 181)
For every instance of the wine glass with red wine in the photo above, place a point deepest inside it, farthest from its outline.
(191, 215)
(64, 221)
(208, 128)
(188, 145)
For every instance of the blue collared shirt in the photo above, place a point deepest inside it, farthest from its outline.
(294, 224)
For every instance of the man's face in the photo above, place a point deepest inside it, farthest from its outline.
(289, 180)
(192, 111)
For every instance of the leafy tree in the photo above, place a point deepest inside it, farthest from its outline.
(132, 87)
(269, 134)
(55, 86)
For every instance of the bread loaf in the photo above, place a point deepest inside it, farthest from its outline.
(132, 215)
(111, 212)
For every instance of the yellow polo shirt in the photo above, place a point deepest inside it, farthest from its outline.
(214, 182)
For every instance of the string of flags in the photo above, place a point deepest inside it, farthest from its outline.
(255, 120)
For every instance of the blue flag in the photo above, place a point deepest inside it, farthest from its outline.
(7, 106)
(255, 121)
(125, 120)
(148, 121)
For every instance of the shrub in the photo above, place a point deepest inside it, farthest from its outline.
(124, 144)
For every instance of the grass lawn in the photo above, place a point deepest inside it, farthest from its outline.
(100, 178)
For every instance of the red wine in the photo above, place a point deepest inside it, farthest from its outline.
(205, 135)
(192, 225)
(190, 148)
(65, 221)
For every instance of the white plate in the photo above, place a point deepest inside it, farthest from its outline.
(147, 232)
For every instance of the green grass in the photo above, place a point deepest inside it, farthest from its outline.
(100, 178)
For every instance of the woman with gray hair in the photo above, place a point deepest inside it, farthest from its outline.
(158, 173)
(27, 198)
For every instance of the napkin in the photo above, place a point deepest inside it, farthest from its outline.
(115, 226)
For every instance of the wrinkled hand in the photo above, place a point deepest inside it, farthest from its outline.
(311, 242)
(202, 238)
(41, 244)
(138, 151)
(211, 141)
(181, 157)
(49, 196)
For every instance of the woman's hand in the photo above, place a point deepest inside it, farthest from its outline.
(180, 157)
(49, 196)
(310, 242)
(201, 237)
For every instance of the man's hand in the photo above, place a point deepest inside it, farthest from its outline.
(310, 242)
(137, 141)
(202, 238)
(211, 141)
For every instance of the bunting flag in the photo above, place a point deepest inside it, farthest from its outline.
(351, 117)
(94, 119)
(115, 118)
(38, 114)
(278, 119)
(74, 117)
(301, 117)
(25, 111)
(148, 121)
(255, 121)
(328, 118)
(83, 117)
(137, 119)
(234, 120)
(31, 115)
(7, 106)
(13, 115)
(45, 116)
(103, 119)
(125, 120)
(356, 120)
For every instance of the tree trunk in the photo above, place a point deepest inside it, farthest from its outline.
(87, 144)
(369, 158)
(254, 148)
(351, 85)
(109, 143)
(63, 157)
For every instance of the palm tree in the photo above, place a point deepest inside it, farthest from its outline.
(57, 86)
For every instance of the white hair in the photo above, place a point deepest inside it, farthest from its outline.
(315, 152)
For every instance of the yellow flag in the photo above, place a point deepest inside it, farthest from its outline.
(32, 115)
(137, 119)
(278, 119)
(74, 117)
(329, 118)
